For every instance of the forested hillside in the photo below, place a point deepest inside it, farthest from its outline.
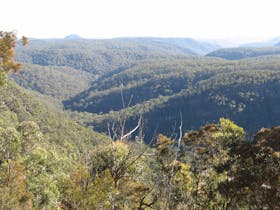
(200, 89)
(101, 80)
(244, 52)
(48, 161)
(39, 146)
(62, 68)
(59, 82)
(96, 56)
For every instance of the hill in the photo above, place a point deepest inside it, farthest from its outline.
(265, 43)
(104, 55)
(201, 89)
(242, 52)
(95, 56)
(48, 161)
(40, 146)
(73, 37)
(59, 82)
(198, 47)
(18, 105)
(144, 76)
(61, 68)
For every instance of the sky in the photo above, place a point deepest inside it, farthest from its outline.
(247, 20)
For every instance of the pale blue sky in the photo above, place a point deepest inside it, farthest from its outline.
(234, 19)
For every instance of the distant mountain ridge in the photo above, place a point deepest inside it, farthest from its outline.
(199, 47)
(73, 37)
(244, 52)
(267, 43)
(158, 78)
(100, 56)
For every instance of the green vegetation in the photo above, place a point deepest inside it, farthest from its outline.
(48, 161)
(95, 56)
(201, 170)
(244, 52)
(201, 89)
(54, 81)
(38, 143)
(39, 146)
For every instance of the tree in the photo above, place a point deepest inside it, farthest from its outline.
(7, 63)
(44, 167)
(211, 151)
(13, 192)
(83, 191)
(175, 174)
(254, 173)
(10, 144)
(31, 135)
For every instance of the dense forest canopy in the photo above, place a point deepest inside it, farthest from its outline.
(243, 52)
(49, 161)
(201, 89)
(96, 56)
(59, 82)
(149, 77)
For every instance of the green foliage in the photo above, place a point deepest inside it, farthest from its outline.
(175, 182)
(43, 143)
(211, 150)
(47, 161)
(44, 169)
(241, 53)
(202, 89)
(3, 78)
(31, 135)
(229, 131)
(114, 179)
(10, 144)
(54, 125)
(81, 190)
(254, 173)
(54, 81)
(13, 191)
(155, 77)
(96, 56)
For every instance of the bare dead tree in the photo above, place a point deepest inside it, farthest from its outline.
(123, 121)
(170, 186)
(116, 130)
(132, 131)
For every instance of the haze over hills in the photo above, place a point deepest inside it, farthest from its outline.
(198, 47)
(154, 76)
(244, 52)
(139, 105)
(52, 65)
(73, 37)
(145, 95)
(266, 43)
(96, 56)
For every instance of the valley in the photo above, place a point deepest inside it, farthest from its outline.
(159, 79)
(138, 123)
